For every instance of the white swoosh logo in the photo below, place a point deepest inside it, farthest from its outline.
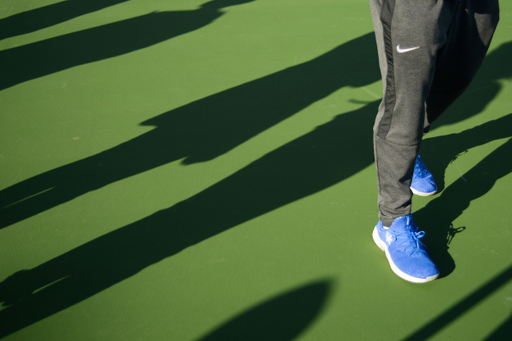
(399, 50)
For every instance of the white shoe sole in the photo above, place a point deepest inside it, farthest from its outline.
(423, 194)
(396, 270)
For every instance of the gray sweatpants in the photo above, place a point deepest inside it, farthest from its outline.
(429, 51)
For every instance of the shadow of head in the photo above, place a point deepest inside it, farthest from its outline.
(281, 318)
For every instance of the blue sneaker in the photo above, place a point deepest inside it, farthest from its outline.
(422, 180)
(407, 256)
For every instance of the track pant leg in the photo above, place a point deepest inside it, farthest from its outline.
(419, 42)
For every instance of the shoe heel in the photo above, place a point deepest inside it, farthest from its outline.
(376, 238)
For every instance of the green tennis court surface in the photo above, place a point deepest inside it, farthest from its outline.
(184, 170)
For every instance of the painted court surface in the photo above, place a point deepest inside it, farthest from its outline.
(183, 170)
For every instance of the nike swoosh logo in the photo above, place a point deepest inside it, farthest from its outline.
(400, 50)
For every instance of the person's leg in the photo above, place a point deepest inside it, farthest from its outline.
(413, 75)
(409, 34)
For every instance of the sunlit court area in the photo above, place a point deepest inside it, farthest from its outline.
(194, 170)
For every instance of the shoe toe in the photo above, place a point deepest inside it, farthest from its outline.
(416, 267)
(425, 186)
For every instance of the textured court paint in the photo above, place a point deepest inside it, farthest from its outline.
(310, 242)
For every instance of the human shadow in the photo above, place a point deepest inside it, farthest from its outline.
(318, 160)
(305, 166)
(300, 168)
(45, 57)
(282, 318)
(43, 17)
(199, 131)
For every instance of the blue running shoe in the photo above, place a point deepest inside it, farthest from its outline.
(407, 256)
(422, 180)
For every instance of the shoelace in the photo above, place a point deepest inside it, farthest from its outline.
(452, 232)
(411, 240)
(420, 169)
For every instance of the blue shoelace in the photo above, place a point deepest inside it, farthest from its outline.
(412, 243)
(420, 169)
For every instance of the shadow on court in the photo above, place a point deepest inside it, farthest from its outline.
(300, 168)
(39, 59)
(437, 216)
(282, 318)
(206, 129)
(439, 151)
(484, 89)
(475, 183)
(43, 17)
(202, 130)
